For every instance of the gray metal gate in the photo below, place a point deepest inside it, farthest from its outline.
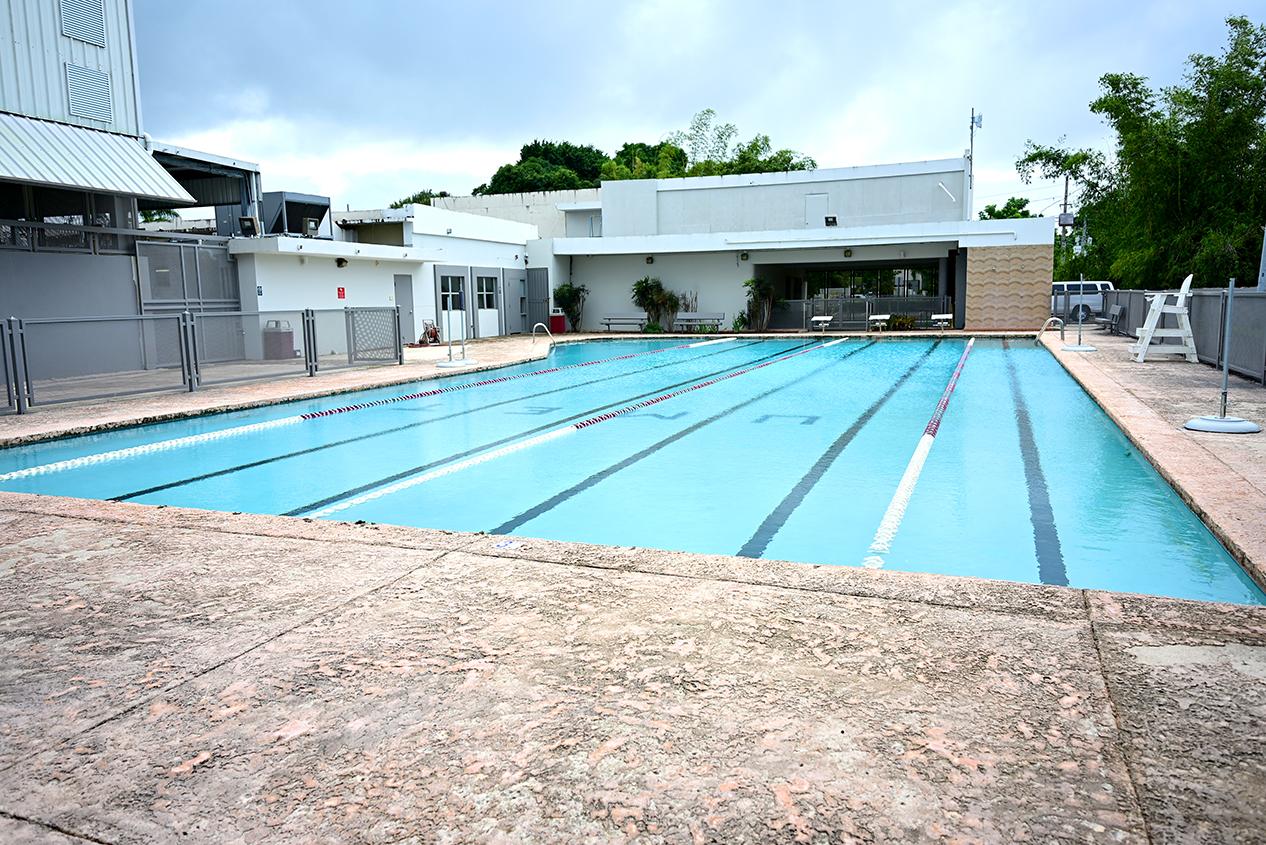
(537, 296)
(194, 276)
(373, 334)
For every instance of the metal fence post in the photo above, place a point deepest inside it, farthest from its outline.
(399, 340)
(350, 329)
(189, 348)
(309, 341)
(23, 393)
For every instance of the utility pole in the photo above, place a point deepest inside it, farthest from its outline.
(977, 122)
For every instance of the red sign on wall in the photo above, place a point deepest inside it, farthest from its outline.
(342, 293)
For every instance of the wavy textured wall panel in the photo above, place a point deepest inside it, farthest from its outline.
(1009, 287)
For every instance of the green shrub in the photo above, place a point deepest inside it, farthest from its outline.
(652, 328)
(902, 323)
(760, 302)
(661, 305)
(571, 299)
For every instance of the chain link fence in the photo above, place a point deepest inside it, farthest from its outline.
(47, 361)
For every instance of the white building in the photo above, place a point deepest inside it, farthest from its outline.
(825, 237)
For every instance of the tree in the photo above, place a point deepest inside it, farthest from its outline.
(548, 166)
(704, 149)
(158, 216)
(422, 197)
(1184, 190)
(1011, 209)
(533, 174)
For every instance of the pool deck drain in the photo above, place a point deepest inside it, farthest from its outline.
(183, 675)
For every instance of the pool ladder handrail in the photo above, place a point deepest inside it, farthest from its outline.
(1037, 338)
(547, 331)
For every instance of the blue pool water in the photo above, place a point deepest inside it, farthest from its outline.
(789, 449)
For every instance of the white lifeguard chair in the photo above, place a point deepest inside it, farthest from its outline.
(1160, 305)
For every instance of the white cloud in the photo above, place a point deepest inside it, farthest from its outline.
(348, 166)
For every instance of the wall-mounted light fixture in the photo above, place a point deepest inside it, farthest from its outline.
(340, 262)
(848, 253)
(650, 259)
(742, 256)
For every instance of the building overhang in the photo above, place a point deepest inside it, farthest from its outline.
(582, 205)
(966, 233)
(314, 248)
(58, 155)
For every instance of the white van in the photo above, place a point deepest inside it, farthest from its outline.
(1069, 298)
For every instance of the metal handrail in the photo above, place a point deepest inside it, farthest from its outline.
(547, 331)
(1038, 337)
(140, 234)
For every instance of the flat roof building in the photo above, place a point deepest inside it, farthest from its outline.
(827, 239)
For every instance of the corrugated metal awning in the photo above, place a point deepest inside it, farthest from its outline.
(42, 152)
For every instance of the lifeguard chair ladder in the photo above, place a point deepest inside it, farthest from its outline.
(1158, 308)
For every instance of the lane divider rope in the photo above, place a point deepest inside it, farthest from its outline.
(483, 383)
(148, 448)
(253, 428)
(891, 522)
(547, 437)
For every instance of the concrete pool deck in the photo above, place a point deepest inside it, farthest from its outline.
(182, 675)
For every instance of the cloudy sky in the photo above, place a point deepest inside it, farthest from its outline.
(369, 101)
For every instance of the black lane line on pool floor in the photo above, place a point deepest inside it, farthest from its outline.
(755, 547)
(398, 476)
(1050, 557)
(557, 499)
(158, 488)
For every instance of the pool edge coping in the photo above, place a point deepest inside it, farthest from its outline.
(966, 593)
(1154, 438)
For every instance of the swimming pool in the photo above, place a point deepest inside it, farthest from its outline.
(979, 458)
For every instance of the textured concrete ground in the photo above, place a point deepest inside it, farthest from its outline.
(1222, 477)
(174, 675)
(171, 675)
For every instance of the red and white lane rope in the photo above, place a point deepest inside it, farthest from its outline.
(253, 428)
(437, 391)
(888, 526)
(548, 436)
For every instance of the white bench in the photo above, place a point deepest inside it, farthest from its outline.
(686, 320)
(942, 321)
(820, 323)
(878, 321)
(633, 321)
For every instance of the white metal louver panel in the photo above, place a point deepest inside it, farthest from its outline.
(85, 20)
(88, 91)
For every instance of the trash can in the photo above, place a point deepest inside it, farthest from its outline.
(557, 322)
(279, 341)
